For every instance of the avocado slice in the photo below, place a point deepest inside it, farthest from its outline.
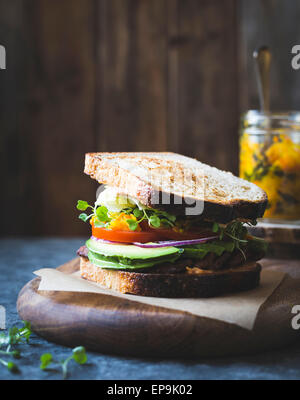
(130, 251)
(111, 262)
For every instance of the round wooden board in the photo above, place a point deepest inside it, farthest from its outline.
(112, 325)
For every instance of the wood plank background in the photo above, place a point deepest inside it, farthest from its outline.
(125, 75)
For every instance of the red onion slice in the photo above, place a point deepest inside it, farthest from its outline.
(164, 243)
(167, 243)
(106, 241)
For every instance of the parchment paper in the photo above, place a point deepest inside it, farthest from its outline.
(239, 308)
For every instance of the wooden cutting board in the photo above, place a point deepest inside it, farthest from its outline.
(113, 325)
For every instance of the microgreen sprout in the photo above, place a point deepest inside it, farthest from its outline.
(155, 218)
(11, 366)
(235, 231)
(99, 212)
(78, 355)
(14, 337)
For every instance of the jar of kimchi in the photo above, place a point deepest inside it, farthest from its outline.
(270, 158)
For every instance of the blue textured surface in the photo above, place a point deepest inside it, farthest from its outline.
(19, 257)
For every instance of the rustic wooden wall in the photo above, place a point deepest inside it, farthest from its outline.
(10, 108)
(56, 118)
(274, 23)
(118, 75)
(165, 77)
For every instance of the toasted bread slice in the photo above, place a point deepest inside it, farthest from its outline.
(151, 177)
(199, 284)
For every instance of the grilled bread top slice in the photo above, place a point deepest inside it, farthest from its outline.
(176, 183)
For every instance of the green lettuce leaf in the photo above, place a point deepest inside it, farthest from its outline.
(217, 247)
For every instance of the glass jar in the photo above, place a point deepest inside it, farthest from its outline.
(270, 158)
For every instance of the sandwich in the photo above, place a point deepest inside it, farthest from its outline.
(167, 225)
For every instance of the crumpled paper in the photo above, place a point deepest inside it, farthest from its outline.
(239, 308)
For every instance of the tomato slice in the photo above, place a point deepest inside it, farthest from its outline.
(126, 236)
(148, 234)
(189, 235)
(175, 235)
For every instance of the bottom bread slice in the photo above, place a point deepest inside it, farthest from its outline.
(202, 284)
